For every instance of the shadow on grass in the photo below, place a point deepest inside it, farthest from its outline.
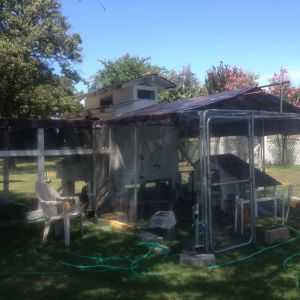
(19, 204)
(21, 251)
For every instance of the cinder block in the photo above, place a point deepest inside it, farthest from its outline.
(276, 235)
(162, 250)
(198, 260)
(35, 215)
(150, 237)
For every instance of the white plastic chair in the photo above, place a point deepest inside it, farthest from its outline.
(56, 208)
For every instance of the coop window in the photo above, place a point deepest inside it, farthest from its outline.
(146, 94)
(107, 101)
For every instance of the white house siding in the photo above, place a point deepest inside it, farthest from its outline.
(92, 102)
(123, 95)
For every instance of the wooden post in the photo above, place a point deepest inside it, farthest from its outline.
(5, 199)
(68, 188)
(41, 157)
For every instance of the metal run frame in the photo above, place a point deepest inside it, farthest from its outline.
(204, 184)
(206, 180)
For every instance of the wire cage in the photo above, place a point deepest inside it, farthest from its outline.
(208, 168)
(207, 177)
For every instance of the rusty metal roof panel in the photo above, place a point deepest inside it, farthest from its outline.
(254, 99)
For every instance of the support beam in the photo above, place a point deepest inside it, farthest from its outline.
(5, 199)
(41, 157)
(61, 152)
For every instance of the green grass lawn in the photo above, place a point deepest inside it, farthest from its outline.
(286, 175)
(30, 270)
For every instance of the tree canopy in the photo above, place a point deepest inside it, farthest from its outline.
(36, 57)
(290, 92)
(129, 67)
(188, 86)
(123, 69)
(220, 78)
(227, 78)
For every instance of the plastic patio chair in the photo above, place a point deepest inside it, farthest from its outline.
(56, 208)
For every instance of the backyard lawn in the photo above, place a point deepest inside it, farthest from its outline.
(106, 264)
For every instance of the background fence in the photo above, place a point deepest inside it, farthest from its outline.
(282, 150)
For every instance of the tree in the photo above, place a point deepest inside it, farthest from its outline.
(53, 100)
(290, 93)
(36, 57)
(188, 86)
(123, 69)
(226, 78)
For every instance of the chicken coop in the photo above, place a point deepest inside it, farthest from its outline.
(211, 167)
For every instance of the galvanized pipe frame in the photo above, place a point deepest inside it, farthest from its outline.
(135, 166)
(249, 118)
(204, 176)
(201, 188)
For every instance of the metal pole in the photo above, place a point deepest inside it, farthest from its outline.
(273, 84)
(134, 219)
(200, 194)
(263, 148)
(253, 201)
(93, 188)
(281, 96)
(208, 181)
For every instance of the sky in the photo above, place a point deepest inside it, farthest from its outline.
(261, 36)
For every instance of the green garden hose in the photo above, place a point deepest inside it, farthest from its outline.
(134, 266)
(121, 264)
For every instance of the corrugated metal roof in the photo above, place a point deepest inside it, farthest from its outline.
(247, 99)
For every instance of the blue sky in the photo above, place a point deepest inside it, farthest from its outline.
(259, 36)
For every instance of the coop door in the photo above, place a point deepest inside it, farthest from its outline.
(229, 172)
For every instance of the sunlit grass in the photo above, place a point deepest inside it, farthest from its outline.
(30, 270)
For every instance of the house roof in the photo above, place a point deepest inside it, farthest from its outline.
(143, 80)
(253, 99)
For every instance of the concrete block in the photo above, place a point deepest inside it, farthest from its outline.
(162, 250)
(197, 260)
(35, 215)
(276, 235)
(150, 237)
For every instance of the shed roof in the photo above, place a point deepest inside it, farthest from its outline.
(240, 169)
(254, 99)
